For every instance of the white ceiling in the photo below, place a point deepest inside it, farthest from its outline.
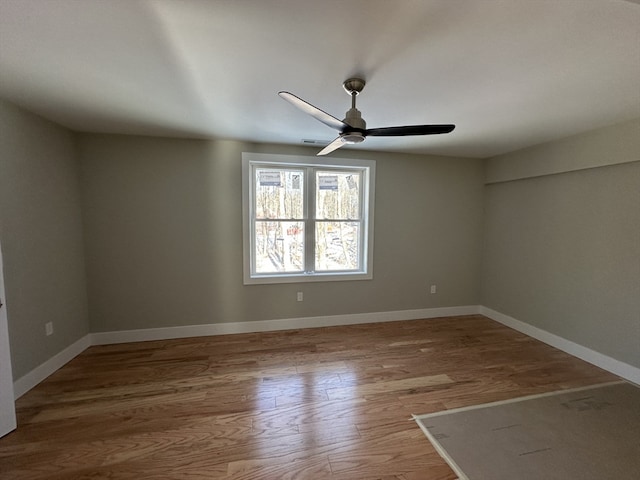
(508, 73)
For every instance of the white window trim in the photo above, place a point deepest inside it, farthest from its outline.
(292, 160)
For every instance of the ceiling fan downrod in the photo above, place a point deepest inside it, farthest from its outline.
(353, 117)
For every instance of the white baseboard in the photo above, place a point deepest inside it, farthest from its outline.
(38, 374)
(598, 359)
(124, 336)
(30, 380)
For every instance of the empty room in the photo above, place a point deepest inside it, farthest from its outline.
(296, 239)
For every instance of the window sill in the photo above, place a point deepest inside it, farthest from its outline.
(305, 278)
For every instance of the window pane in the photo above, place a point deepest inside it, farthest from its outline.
(279, 247)
(337, 246)
(279, 193)
(337, 195)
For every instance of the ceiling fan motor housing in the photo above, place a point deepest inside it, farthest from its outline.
(354, 119)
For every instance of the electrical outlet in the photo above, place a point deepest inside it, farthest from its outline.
(434, 289)
(300, 296)
(48, 328)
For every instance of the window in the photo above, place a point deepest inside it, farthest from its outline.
(307, 220)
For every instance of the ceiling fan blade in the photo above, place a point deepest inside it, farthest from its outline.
(315, 112)
(408, 130)
(336, 144)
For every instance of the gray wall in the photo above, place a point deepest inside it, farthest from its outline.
(562, 250)
(41, 236)
(161, 222)
(164, 236)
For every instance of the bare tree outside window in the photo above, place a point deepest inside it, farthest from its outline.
(279, 207)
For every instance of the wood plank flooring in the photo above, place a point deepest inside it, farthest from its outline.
(325, 403)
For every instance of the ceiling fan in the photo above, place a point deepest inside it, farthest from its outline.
(353, 129)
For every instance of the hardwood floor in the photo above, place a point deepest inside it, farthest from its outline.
(326, 403)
